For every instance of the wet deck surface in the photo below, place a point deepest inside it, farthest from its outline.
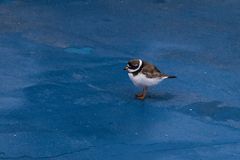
(64, 95)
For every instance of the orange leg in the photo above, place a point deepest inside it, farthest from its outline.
(143, 94)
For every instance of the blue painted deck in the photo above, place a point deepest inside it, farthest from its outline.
(64, 94)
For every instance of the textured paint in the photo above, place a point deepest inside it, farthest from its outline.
(84, 50)
(64, 94)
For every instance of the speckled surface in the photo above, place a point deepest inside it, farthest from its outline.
(64, 94)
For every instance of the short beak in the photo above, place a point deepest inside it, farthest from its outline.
(125, 68)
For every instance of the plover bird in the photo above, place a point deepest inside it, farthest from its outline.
(144, 75)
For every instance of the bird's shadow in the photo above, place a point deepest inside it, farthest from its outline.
(161, 96)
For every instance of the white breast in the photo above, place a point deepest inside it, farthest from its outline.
(140, 80)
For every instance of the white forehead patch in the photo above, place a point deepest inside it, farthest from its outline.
(139, 66)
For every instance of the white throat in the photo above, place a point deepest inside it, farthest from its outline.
(139, 66)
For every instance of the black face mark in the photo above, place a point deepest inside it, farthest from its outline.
(133, 64)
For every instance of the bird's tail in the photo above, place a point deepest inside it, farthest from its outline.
(168, 76)
(164, 76)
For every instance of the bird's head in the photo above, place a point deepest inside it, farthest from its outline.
(134, 65)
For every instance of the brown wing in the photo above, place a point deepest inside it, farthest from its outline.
(151, 71)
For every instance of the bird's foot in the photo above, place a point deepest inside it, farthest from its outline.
(140, 96)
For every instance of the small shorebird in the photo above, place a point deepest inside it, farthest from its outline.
(144, 75)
